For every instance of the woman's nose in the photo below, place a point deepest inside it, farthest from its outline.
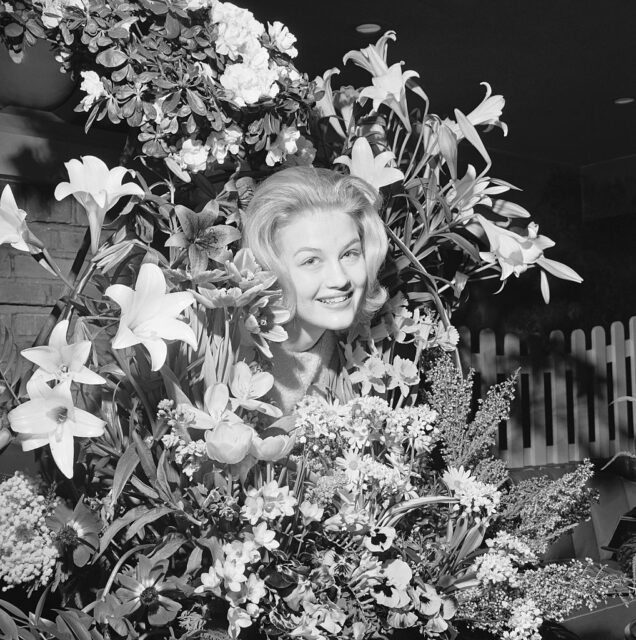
(337, 277)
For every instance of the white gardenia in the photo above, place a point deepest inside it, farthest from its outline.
(238, 30)
(282, 38)
(248, 82)
(94, 88)
(193, 155)
(50, 418)
(149, 314)
(53, 11)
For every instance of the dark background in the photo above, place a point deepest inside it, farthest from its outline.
(560, 64)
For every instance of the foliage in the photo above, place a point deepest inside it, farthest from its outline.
(573, 585)
(187, 502)
(540, 509)
(468, 435)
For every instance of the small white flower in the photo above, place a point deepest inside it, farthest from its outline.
(193, 155)
(282, 39)
(286, 143)
(94, 88)
(311, 512)
(248, 82)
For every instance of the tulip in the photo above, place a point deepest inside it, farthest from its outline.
(272, 448)
(149, 314)
(229, 443)
(97, 189)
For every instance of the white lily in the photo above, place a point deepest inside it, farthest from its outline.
(515, 253)
(13, 228)
(390, 89)
(389, 82)
(246, 387)
(373, 57)
(149, 314)
(487, 112)
(63, 361)
(97, 189)
(50, 417)
(373, 169)
(325, 105)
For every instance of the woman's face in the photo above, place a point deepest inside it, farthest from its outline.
(322, 251)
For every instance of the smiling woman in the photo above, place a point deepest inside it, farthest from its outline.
(319, 231)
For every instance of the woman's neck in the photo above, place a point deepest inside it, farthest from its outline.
(301, 336)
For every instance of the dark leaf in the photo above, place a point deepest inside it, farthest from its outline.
(111, 57)
(196, 103)
(173, 27)
(125, 467)
(8, 628)
(150, 516)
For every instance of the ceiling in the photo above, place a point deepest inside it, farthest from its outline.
(559, 63)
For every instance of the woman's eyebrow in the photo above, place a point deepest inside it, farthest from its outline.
(317, 250)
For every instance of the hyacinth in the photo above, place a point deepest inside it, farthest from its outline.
(26, 545)
(524, 622)
(495, 568)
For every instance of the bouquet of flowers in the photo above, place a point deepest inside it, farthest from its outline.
(175, 500)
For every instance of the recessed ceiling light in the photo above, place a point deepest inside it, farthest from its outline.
(623, 100)
(368, 28)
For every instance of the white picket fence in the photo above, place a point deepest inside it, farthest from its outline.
(564, 409)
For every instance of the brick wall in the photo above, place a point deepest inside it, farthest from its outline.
(27, 290)
(33, 148)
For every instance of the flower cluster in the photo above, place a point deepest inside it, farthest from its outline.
(524, 621)
(479, 498)
(27, 548)
(196, 503)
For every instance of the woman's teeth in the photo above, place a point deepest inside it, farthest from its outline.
(334, 300)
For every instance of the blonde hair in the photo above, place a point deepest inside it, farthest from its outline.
(283, 196)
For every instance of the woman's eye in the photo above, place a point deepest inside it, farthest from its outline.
(309, 261)
(352, 253)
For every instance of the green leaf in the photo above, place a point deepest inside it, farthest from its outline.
(470, 133)
(164, 475)
(125, 467)
(168, 548)
(464, 244)
(173, 27)
(8, 627)
(119, 524)
(14, 611)
(142, 487)
(13, 30)
(75, 625)
(145, 457)
(196, 103)
(194, 561)
(472, 540)
(150, 516)
(111, 58)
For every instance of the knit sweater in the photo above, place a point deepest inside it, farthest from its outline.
(296, 371)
